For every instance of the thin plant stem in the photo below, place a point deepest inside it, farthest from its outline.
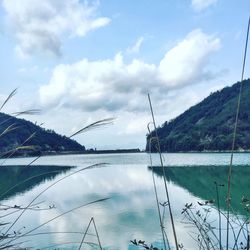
(218, 203)
(8, 98)
(85, 233)
(97, 235)
(156, 196)
(13, 151)
(230, 224)
(234, 139)
(238, 235)
(248, 242)
(193, 220)
(164, 177)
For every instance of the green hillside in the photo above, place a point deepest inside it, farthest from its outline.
(208, 125)
(16, 133)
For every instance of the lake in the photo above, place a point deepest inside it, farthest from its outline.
(129, 213)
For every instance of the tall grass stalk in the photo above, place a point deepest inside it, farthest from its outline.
(234, 137)
(92, 220)
(219, 213)
(164, 176)
(8, 98)
(22, 146)
(164, 236)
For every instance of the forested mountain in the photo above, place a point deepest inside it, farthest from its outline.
(16, 135)
(208, 126)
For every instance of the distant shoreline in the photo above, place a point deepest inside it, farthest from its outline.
(202, 152)
(88, 151)
(112, 151)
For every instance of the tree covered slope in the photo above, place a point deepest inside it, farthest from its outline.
(208, 126)
(16, 133)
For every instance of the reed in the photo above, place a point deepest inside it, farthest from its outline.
(164, 177)
(234, 137)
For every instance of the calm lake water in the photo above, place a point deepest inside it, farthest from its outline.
(126, 179)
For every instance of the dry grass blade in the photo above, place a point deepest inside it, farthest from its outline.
(6, 120)
(29, 138)
(9, 129)
(7, 247)
(94, 125)
(30, 147)
(28, 112)
(11, 152)
(8, 98)
(4, 224)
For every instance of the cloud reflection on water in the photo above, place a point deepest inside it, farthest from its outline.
(130, 213)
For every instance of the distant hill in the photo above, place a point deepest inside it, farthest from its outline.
(14, 132)
(208, 126)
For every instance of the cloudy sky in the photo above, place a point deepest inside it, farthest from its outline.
(80, 61)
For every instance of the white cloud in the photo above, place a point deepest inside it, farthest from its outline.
(39, 26)
(199, 5)
(99, 84)
(113, 85)
(187, 60)
(137, 46)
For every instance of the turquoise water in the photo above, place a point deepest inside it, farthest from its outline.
(130, 211)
